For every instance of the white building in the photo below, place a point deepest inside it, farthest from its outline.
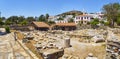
(85, 18)
(65, 19)
(53, 18)
(97, 15)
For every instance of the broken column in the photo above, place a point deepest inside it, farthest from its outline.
(67, 42)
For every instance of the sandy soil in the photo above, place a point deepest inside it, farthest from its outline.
(81, 50)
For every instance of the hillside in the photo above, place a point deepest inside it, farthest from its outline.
(73, 12)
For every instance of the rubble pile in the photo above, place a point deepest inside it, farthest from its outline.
(56, 42)
(90, 35)
(113, 44)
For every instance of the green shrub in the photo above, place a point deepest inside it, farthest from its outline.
(94, 22)
(118, 21)
(106, 23)
(7, 29)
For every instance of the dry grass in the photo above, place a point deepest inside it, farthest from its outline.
(32, 48)
(12, 30)
(33, 41)
(29, 45)
(82, 51)
(98, 52)
(20, 36)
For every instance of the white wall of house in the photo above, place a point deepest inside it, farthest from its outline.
(54, 18)
(61, 21)
(87, 17)
(82, 18)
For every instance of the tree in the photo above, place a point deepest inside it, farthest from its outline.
(13, 19)
(63, 16)
(8, 22)
(47, 16)
(94, 22)
(106, 23)
(51, 22)
(30, 19)
(3, 18)
(60, 18)
(24, 22)
(42, 18)
(118, 21)
(21, 19)
(111, 12)
(71, 20)
(1, 22)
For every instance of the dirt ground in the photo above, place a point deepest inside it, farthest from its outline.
(81, 50)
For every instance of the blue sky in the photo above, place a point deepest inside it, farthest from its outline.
(53, 7)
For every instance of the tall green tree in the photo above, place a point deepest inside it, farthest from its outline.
(47, 16)
(21, 19)
(3, 18)
(8, 22)
(118, 21)
(24, 22)
(42, 18)
(30, 19)
(111, 11)
(13, 19)
(1, 22)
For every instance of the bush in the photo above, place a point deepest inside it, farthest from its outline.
(102, 22)
(71, 20)
(94, 22)
(106, 23)
(51, 22)
(7, 29)
(118, 21)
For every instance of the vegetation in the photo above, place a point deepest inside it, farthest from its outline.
(24, 22)
(30, 19)
(1, 22)
(106, 23)
(32, 48)
(8, 22)
(43, 18)
(7, 29)
(51, 22)
(21, 20)
(60, 18)
(47, 16)
(71, 20)
(73, 12)
(111, 11)
(94, 22)
(118, 21)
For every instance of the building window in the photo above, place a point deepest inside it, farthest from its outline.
(81, 18)
(84, 17)
(77, 17)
